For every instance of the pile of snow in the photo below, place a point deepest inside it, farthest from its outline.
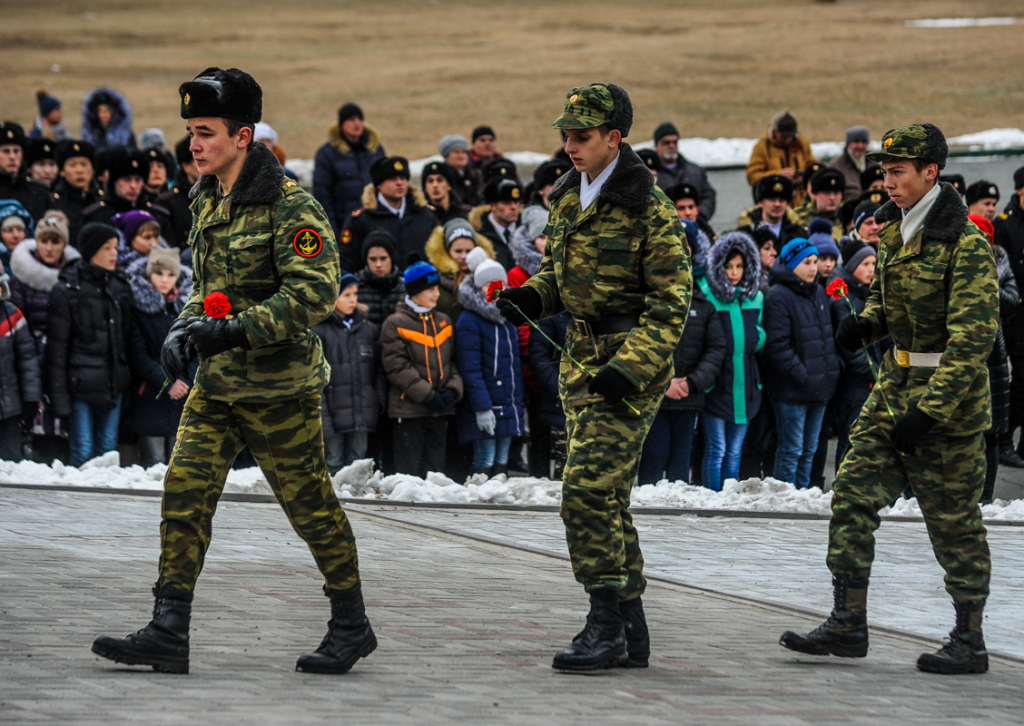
(960, 22)
(990, 140)
(361, 481)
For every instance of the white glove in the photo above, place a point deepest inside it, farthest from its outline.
(486, 422)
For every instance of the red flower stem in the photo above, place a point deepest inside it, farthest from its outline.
(563, 351)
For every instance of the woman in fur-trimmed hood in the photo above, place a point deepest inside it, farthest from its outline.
(107, 119)
(447, 249)
(736, 396)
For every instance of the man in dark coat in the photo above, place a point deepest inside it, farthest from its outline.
(676, 169)
(15, 183)
(388, 203)
(772, 195)
(1010, 236)
(176, 200)
(343, 164)
(127, 171)
(76, 190)
(498, 219)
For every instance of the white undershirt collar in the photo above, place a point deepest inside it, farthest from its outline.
(589, 190)
(913, 218)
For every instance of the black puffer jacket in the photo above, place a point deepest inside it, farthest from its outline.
(410, 231)
(87, 337)
(802, 363)
(998, 360)
(19, 367)
(698, 356)
(856, 380)
(357, 393)
(1010, 236)
(380, 295)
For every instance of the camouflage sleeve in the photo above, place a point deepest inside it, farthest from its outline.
(972, 317)
(545, 282)
(306, 259)
(665, 263)
(873, 308)
(194, 306)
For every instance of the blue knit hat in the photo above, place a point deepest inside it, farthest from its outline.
(796, 251)
(420, 276)
(346, 280)
(820, 235)
(690, 228)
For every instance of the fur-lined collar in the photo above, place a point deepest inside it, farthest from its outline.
(525, 252)
(438, 256)
(370, 140)
(147, 298)
(472, 298)
(258, 183)
(414, 198)
(478, 215)
(945, 222)
(630, 185)
(32, 271)
(750, 283)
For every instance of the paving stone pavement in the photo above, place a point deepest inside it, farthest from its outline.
(466, 630)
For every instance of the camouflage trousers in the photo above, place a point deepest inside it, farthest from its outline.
(286, 439)
(946, 474)
(604, 445)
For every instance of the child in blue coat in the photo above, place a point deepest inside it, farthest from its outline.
(487, 350)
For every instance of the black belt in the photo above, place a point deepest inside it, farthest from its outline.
(606, 326)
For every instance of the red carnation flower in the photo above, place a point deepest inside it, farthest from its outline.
(217, 305)
(836, 289)
(494, 290)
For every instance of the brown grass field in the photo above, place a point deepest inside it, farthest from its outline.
(430, 67)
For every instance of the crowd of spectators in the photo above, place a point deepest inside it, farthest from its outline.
(425, 374)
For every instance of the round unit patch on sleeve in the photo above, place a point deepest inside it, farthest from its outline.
(307, 243)
(346, 236)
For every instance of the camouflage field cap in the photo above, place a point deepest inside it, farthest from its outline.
(919, 141)
(588, 107)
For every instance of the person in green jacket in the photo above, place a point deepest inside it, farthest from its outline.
(935, 291)
(616, 260)
(267, 246)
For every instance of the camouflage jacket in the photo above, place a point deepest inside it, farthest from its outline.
(938, 293)
(623, 255)
(269, 248)
(808, 211)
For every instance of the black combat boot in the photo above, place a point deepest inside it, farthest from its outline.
(845, 633)
(602, 642)
(638, 640)
(163, 643)
(501, 469)
(349, 635)
(1008, 456)
(964, 652)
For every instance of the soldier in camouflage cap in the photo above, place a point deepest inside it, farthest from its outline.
(265, 244)
(617, 262)
(935, 291)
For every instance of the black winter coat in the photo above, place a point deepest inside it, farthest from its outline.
(178, 204)
(87, 337)
(698, 356)
(802, 363)
(33, 196)
(998, 360)
(20, 382)
(72, 201)
(1010, 236)
(380, 295)
(341, 172)
(357, 393)
(152, 316)
(856, 379)
(545, 360)
(410, 231)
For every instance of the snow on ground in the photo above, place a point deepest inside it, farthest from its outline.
(361, 481)
(960, 22)
(724, 153)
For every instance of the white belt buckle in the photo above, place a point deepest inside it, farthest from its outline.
(918, 360)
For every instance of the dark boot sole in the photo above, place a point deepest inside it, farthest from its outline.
(334, 668)
(635, 662)
(601, 665)
(953, 669)
(800, 644)
(163, 665)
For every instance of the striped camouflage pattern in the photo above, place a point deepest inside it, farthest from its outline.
(250, 253)
(286, 439)
(603, 458)
(946, 474)
(935, 297)
(606, 261)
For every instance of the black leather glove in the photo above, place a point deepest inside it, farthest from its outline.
(210, 337)
(527, 300)
(173, 358)
(910, 429)
(852, 332)
(611, 384)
